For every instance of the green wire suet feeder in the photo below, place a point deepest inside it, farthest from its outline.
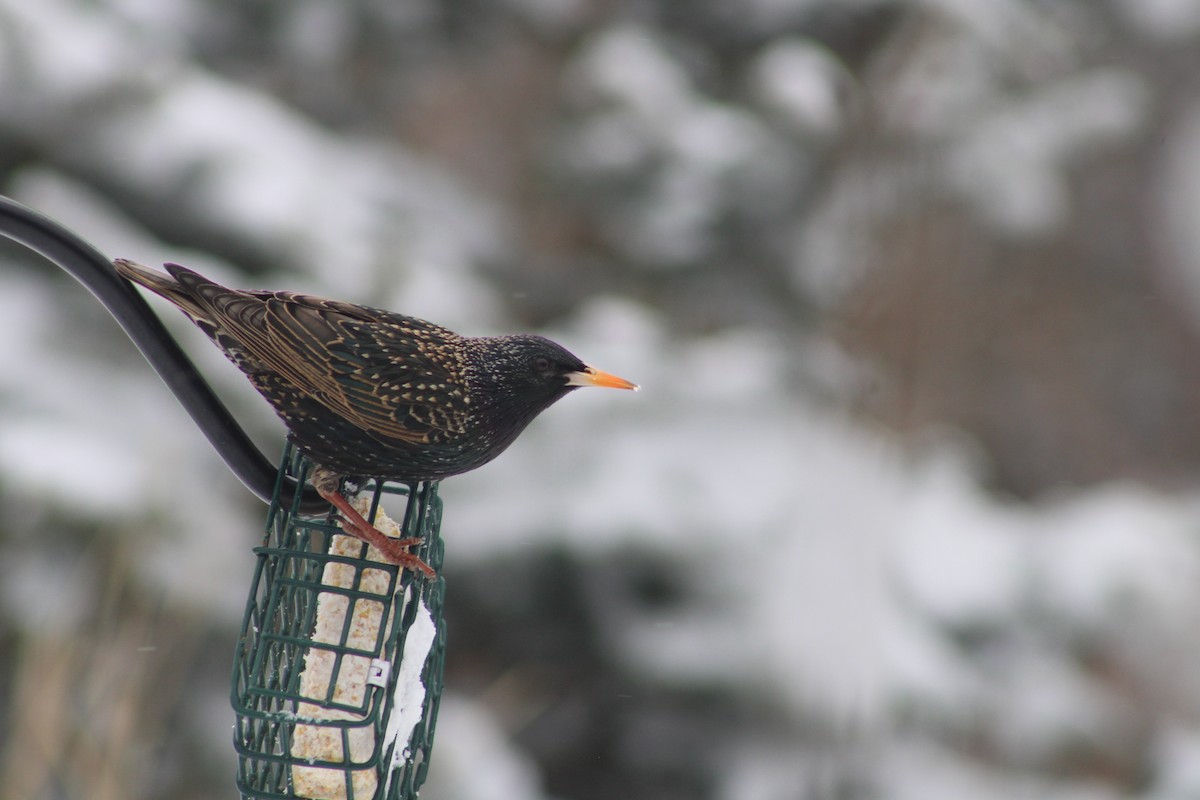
(338, 671)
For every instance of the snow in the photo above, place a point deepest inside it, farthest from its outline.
(1176, 754)
(876, 621)
(1119, 556)
(1171, 21)
(626, 65)
(1011, 167)
(91, 56)
(802, 82)
(63, 458)
(266, 175)
(475, 759)
(408, 695)
(961, 559)
(654, 128)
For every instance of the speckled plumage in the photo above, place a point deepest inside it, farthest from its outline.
(369, 393)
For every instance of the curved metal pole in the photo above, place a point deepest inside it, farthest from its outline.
(93, 270)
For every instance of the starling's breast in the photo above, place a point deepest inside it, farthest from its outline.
(439, 443)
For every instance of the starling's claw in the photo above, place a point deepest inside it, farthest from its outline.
(394, 551)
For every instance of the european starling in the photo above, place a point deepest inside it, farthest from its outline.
(367, 393)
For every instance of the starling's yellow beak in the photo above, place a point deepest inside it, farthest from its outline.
(590, 376)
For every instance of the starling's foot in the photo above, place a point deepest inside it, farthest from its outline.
(394, 551)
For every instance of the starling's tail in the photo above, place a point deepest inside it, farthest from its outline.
(161, 284)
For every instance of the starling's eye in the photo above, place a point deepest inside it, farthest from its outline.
(541, 364)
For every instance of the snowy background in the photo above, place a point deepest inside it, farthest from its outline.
(907, 508)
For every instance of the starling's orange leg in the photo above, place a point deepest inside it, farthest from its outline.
(394, 550)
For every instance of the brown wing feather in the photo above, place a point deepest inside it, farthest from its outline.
(413, 375)
(359, 362)
(348, 360)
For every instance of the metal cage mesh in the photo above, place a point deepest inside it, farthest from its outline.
(322, 682)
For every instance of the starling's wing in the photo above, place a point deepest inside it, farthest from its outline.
(411, 375)
(377, 370)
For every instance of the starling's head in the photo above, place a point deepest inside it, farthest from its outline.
(520, 376)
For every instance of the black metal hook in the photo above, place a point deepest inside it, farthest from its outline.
(88, 266)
